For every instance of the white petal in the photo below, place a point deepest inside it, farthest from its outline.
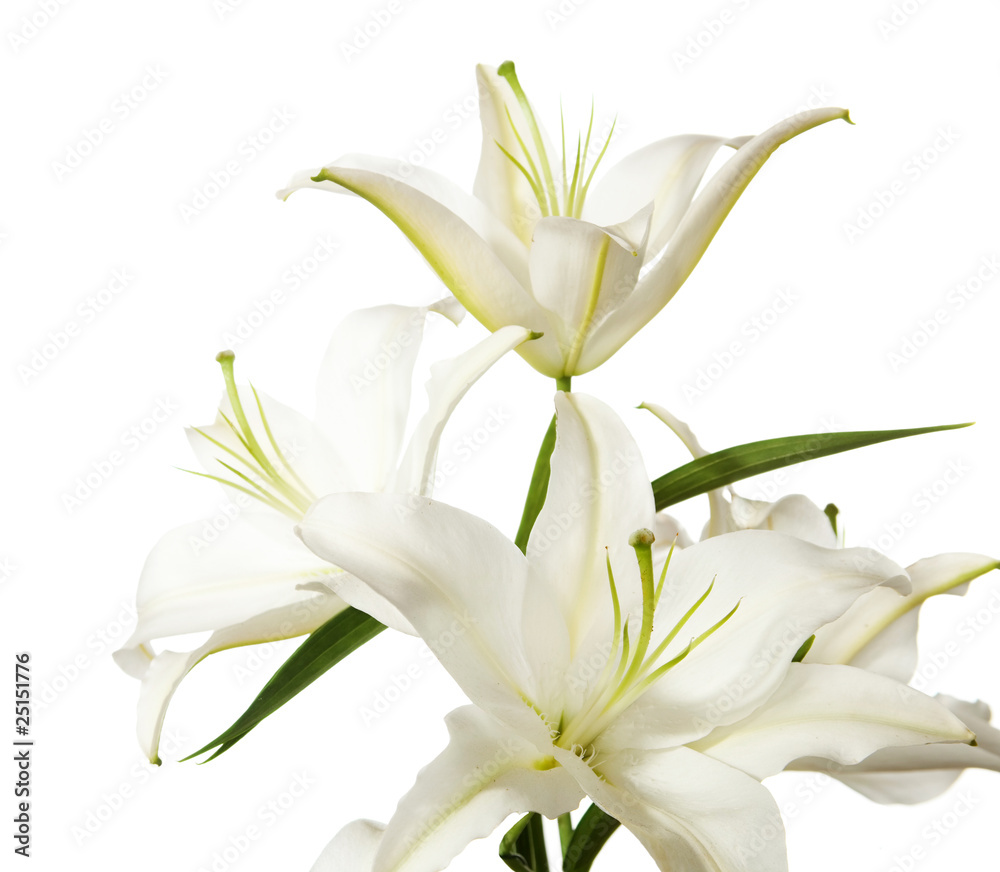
(460, 583)
(920, 772)
(191, 582)
(478, 259)
(364, 386)
(666, 173)
(580, 273)
(795, 515)
(786, 589)
(485, 774)
(167, 669)
(692, 813)
(879, 633)
(353, 849)
(598, 495)
(449, 381)
(840, 713)
(691, 239)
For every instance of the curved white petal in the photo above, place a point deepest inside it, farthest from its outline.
(485, 774)
(795, 514)
(785, 588)
(461, 584)
(718, 506)
(449, 381)
(598, 495)
(920, 772)
(166, 670)
(692, 813)
(191, 583)
(666, 173)
(353, 849)
(692, 237)
(363, 390)
(580, 274)
(840, 713)
(475, 256)
(879, 633)
(429, 185)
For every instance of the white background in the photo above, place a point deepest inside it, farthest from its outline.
(824, 364)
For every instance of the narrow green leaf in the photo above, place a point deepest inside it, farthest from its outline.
(742, 461)
(523, 848)
(590, 835)
(323, 648)
(537, 488)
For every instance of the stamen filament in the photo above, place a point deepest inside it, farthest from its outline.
(534, 187)
(506, 70)
(593, 169)
(306, 491)
(572, 185)
(295, 516)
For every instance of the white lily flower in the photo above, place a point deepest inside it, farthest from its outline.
(254, 581)
(878, 633)
(592, 676)
(537, 245)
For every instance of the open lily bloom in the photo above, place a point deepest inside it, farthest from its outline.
(878, 633)
(537, 245)
(254, 581)
(594, 674)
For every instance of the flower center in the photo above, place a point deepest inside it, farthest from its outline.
(539, 174)
(271, 481)
(631, 669)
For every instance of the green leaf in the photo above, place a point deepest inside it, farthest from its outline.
(523, 848)
(590, 835)
(537, 488)
(325, 647)
(742, 461)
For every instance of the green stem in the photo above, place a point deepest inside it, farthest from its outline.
(565, 832)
